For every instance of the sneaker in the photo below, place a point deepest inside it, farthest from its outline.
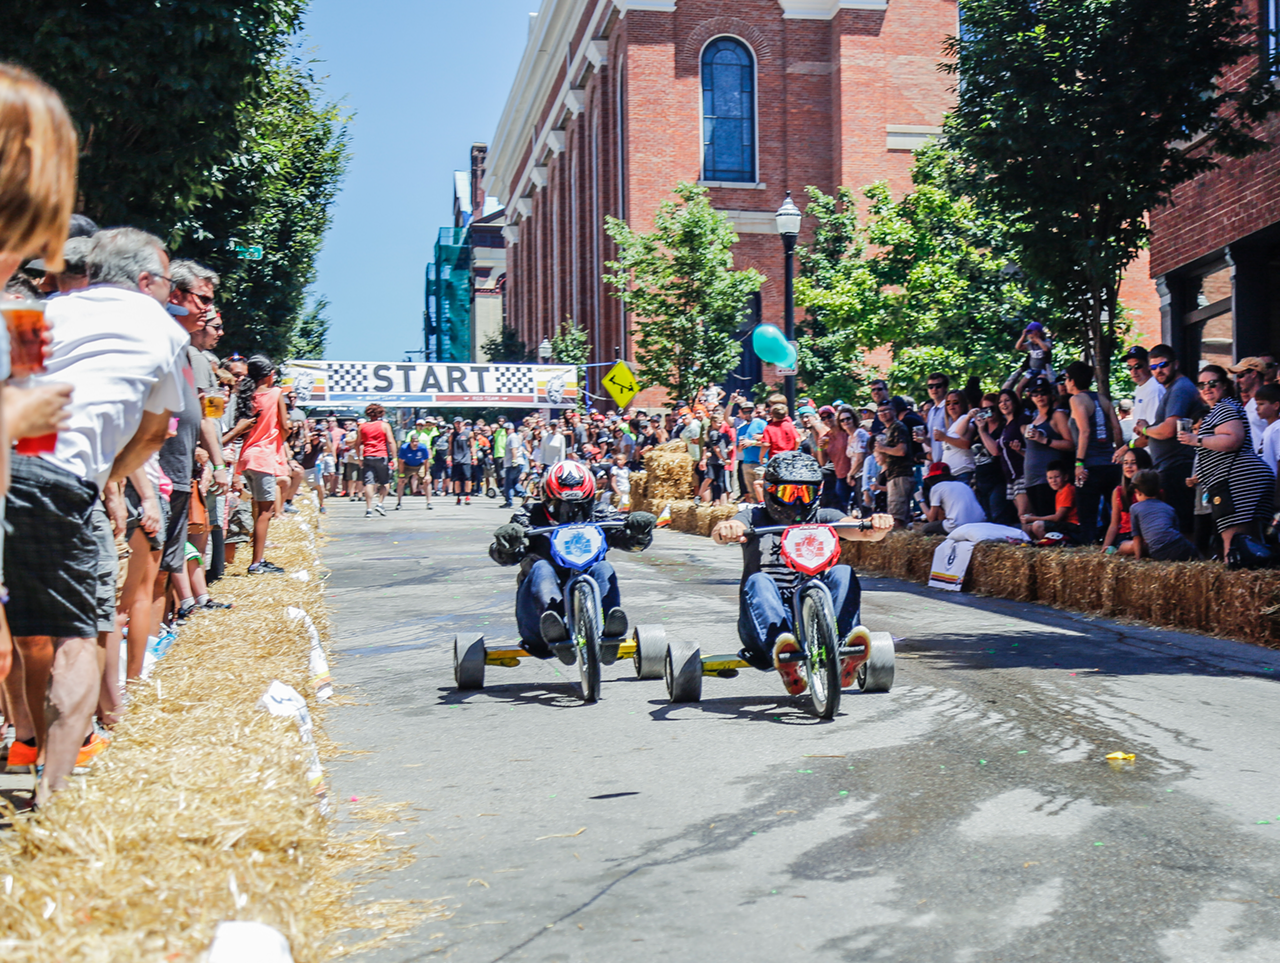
(792, 678)
(859, 635)
(184, 613)
(459, 501)
(22, 757)
(92, 746)
(468, 499)
(553, 630)
(215, 604)
(378, 509)
(397, 506)
(265, 568)
(368, 513)
(506, 505)
(615, 624)
(289, 509)
(161, 646)
(323, 510)
(430, 507)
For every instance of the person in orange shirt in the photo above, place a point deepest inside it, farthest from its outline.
(1064, 520)
(263, 456)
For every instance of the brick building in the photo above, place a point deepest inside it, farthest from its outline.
(1215, 252)
(615, 101)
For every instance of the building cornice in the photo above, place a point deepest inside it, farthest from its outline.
(534, 87)
(662, 6)
(825, 9)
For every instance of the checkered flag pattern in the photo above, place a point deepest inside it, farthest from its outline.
(513, 380)
(348, 377)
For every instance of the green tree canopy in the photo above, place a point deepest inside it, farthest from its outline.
(506, 346)
(927, 275)
(198, 125)
(1074, 117)
(680, 285)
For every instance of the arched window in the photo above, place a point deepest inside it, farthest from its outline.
(728, 111)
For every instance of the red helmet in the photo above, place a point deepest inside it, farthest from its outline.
(570, 481)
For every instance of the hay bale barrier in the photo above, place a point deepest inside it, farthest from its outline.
(1189, 596)
(200, 809)
(668, 471)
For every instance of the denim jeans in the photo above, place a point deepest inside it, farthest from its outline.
(541, 590)
(511, 483)
(762, 613)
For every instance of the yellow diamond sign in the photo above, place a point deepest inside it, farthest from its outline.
(621, 384)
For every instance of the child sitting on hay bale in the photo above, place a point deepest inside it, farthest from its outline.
(1065, 521)
(1155, 524)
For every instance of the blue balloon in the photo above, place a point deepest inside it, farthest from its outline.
(790, 360)
(771, 345)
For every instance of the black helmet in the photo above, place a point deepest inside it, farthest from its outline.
(792, 481)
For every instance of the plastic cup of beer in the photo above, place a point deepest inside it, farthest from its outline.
(1184, 425)
(917, 433)
(214, 405)
(25, 320)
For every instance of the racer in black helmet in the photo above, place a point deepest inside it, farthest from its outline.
(792, 482)
(568, 497)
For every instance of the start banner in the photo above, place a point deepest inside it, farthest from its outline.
(410, 384)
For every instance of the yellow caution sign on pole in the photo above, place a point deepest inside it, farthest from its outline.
(621, 384)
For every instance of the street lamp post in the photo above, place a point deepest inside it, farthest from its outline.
(544, 351)
(788, 221)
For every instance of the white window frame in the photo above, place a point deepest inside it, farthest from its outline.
(755, 117)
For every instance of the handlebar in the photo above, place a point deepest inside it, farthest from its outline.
(546, 530)
(863, 525)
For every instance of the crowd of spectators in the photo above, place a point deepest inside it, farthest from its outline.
(134, 459)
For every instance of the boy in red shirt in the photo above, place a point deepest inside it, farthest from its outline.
(1065, 519)
(779, 434)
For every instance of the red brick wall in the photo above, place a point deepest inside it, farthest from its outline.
(826, 89)
(1222, 206)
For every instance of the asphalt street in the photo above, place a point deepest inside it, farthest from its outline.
(967, 815)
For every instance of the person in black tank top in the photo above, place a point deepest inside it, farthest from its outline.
(1095, 430)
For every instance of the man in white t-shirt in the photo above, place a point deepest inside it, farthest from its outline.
(1147, 392)
(951, 503)
(123, 355)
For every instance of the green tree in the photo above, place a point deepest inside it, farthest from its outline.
(277, 193)
(506, 346)
(680, 285)
(157, 90)
(1075, 117)
(927, 275)
(197, 124)
(308, 338)
(569, 345)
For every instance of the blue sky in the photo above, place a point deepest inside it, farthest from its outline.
(426, 79)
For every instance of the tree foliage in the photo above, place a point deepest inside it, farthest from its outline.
(1074, 116)
(506, 346)
(927, 275)
(198, 125)
(680, 285)
(570, 345)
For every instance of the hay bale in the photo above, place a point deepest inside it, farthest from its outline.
(639, 483)
(668, 473)
(711, 515)
(1003, 570)
(684, 516)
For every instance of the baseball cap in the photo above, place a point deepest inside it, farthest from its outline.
(938, 468)
(805, 410)
(1136, 353)
(421, 421)
(1249, 364)
(826, 410)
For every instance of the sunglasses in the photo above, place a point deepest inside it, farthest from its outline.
(825, 417)
(1157, 365)
(1205, 385)
(235, 357)
(935, 384)
(794, 494)
(205, 299)
(1134, 367)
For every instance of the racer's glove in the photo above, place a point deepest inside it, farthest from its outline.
(509, 544)
(639, 531)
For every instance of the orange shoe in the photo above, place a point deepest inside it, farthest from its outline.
(859, 636)
(22, 757)
(792, 678)
(90, 749)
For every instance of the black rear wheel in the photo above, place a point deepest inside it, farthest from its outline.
(822, 653)
(586, 639)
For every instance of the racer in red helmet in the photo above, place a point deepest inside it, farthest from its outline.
(792, 483)
(568, 497)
